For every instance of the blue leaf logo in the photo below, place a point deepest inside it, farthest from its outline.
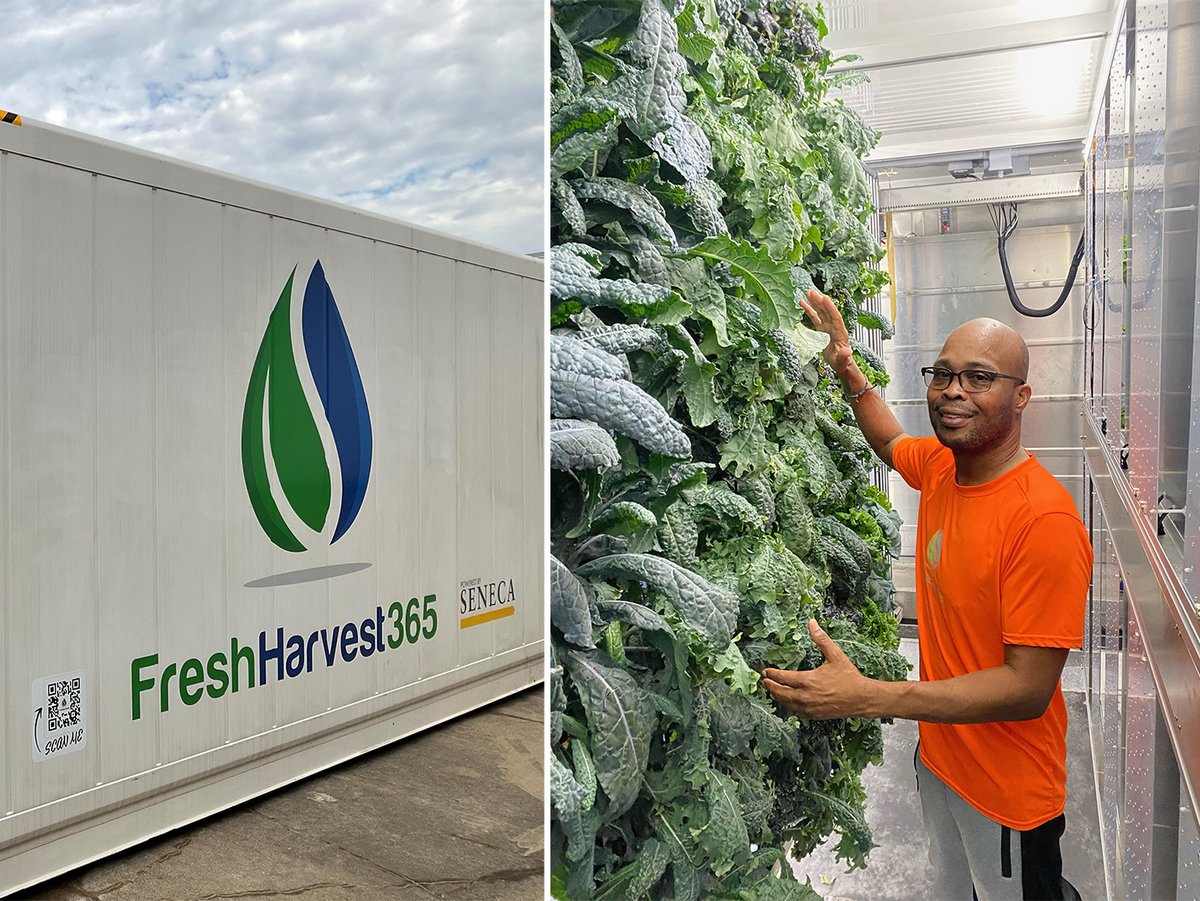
(303, 464)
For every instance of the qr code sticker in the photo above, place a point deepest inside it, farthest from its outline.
(63, 704)
(58, 716)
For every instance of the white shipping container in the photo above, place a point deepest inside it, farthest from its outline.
(271, 489)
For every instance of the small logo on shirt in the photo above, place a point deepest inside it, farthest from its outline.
(933, 551)
(933, 556)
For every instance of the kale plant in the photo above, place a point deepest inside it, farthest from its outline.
(710, 490)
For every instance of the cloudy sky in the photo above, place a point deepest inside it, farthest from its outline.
(431, 112)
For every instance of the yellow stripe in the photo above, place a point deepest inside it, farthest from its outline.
(891, 258)
(11, 118)
(480, 618)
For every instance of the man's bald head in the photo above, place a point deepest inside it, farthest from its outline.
(980, 421)
(991, 342)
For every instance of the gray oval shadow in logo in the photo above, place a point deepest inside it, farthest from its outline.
(308, 575)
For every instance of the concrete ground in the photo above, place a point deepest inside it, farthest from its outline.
(899, 870)
(455, 812)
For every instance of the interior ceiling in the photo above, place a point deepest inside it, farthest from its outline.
(967, 76)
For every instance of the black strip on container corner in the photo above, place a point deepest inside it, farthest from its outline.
(10, 118)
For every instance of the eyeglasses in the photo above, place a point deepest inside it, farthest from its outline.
(973, 381)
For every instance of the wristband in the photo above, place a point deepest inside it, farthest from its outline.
(859, 393)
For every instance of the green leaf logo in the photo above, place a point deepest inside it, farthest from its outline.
(933, 551)
(306, 430)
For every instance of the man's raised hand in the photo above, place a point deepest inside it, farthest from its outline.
(826, 318)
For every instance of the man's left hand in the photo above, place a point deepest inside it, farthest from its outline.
(834, 689)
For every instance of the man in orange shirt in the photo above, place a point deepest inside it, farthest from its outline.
(1003, 569)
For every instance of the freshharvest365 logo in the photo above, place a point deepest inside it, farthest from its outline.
(306, 431)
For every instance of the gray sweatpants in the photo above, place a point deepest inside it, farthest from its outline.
(969, 851)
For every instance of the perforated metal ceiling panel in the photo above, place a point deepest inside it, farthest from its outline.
(971, 75)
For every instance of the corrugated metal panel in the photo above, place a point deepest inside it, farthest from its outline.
(960, 193)
(961, 76)
(50, 406)
(132, 319)
(990, 91)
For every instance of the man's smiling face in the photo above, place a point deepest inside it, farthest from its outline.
(977, 421)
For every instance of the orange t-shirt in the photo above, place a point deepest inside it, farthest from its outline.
(1008, 562)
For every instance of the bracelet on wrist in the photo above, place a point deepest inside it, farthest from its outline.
(860, 392)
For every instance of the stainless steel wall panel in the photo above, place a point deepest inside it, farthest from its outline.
(1094, 618)
(963, 262)
(1149, 800)
(1166, 630)
(1137, 801)
(1103, 558)
(1066, 463)
(1115, 273)
(1034, 214)
(1093, 298)
(1089, 523)
(1094, 276)
(1099, 309)
(1146, 240)
(1190, 569)
(1164, 841)
(1181, 423)
(1188, 878)
(1111, 760)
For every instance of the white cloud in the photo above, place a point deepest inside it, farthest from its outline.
(431, 112)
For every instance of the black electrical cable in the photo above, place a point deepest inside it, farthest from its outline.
(1004, 217)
